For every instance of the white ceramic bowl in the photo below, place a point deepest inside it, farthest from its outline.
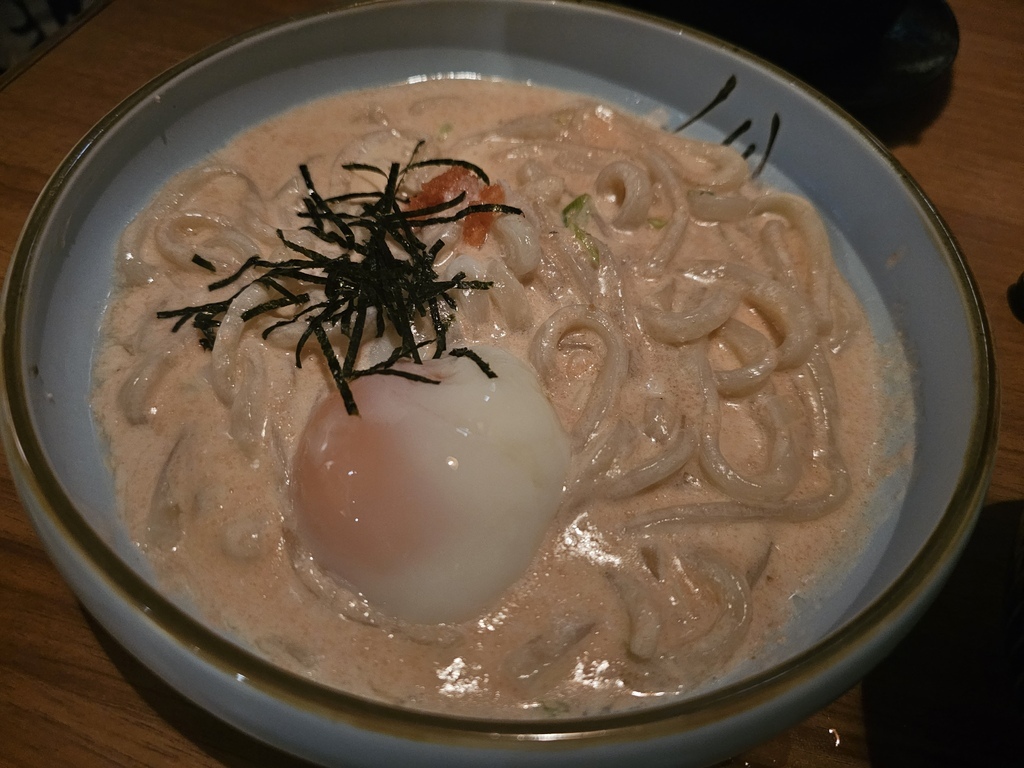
(889, 240)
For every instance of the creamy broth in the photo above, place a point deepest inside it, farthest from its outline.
(728, 469)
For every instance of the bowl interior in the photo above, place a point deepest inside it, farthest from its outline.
(887, 239)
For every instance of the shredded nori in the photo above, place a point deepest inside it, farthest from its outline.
(719, 98)
(204, 263)
(365, 276)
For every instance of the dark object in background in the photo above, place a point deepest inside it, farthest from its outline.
(27, 24)
(1015, 611)
(863, 54)
(64, 10)
(1015, 298)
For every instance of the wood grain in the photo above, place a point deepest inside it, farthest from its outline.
(70, 695)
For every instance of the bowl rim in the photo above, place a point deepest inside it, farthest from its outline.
(840, 648)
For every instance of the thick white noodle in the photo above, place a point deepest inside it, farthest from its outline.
(181, 235)
(547, 659)
(509, 296)
(576, 267)
(608, 446)
(660, 167)
(676, 452)
(612, 372)
(540, 197)
(705, 164)
(718, 303)
(776, 251)
(727, 283)
(181, 229)
(818, 394)
(152, 363)
(641, 607)
(756, 353)
(249, 415)
(787, 511)
(782, 470)
(629, 187)
(708, 205)
(520, 244)
(352, 606)
(846, 321)
(474, 305)
(163, 520)
(802, 216)
(225, 365)
(674, 643)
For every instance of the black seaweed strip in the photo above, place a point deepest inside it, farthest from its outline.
(772, 134)
(469, 210)
(412, 158)
(201, 262)
(313, 213)
(355, 337)
(345, 242)
(269, 281)
(180, 324)
(250, 262)
(294, 270)
(214, 307)
(722, 95)
(440, 331)
(475, 169)
(332, 363)
(364, 167)
(307, 179)
(395, 307)
(347, 237)
(432, 209)
(270, 306)
(317, 258)
(300, 345)
(349, 197)
(385, 366)
(481, 364)
(743, 128)
(280, 324)
(398, 372)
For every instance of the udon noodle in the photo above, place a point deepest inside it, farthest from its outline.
(713, 378)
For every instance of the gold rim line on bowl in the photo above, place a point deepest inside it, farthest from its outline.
(912, 590)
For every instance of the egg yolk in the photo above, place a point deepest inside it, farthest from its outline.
(433, 500)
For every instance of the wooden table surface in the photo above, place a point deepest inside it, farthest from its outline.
(71, 696)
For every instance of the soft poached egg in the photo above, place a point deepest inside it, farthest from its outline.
(434, 499)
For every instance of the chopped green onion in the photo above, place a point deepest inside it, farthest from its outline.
(575, 216)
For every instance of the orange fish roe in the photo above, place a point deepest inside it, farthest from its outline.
(451, 183)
